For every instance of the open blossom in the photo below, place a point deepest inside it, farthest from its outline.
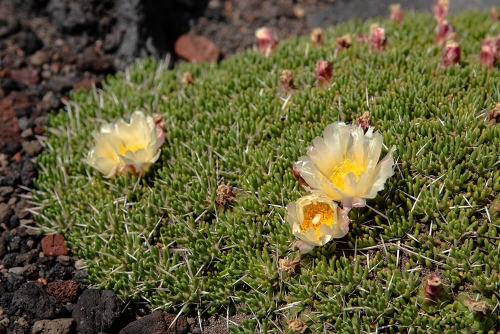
(315, 219)
(266, 40)
(377, 38)
(441, 10)
(127, 147)
(344, 164)
(487, 56)
(396, 13)
(451, 54)
(323, 72)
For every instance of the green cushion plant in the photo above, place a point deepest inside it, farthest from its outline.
(164, 238)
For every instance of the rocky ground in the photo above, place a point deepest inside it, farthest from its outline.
(50, 48)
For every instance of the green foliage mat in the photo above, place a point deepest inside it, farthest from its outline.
(163, 237)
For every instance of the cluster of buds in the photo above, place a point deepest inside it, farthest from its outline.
(317, 36)
(441, 10)
(451, 55)
(444, 33)
(396, 13)
(377, 38)
(266, 40)
(324, 73)
(488, 54)
(344, 42)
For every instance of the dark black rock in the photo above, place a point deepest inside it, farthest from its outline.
(27, 258)
(12, 148)
(152, 323)
(33, 304)
(6, 218)
(11, 179)
(68, 16)
(6, 299)
(58, 272)
(21, 231)
(29, 42)
(9, 260)
(80, 276)
(14, 281)
(28, 173)
(3, 248)
(60, 83)
(9, 84)
(15, 244)
(17, 328)
(24, 110)
(3, 287)
(96, 311)
(13, 222)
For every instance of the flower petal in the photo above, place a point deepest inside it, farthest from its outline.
(303, 246)
(382, 172)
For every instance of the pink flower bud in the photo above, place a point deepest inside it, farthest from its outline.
(396, 13)
(299, 178)
(344, 42)
(323, 72)
(377, 38)
(494, 15)
(160, 126)
(440, 10)
(266, 40)
(488, 51)
(432, 287)
(497, 54)
(443, 32)
(317, 36)
(364, 121)
(286, 80)
(451, 55)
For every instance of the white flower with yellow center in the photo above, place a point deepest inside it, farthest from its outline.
(127, 147)
(315, 219)
(345, 165)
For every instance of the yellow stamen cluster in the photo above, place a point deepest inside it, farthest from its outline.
(317, 214)
(131, 148)
(340, 172)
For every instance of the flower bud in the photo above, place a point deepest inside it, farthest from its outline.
(441, 10)
(396, 13)
(225, 194)
(432, 287)
(323, 72)
(266, 40)
(377, 38)
(299, 178)
(494, 14)
(451, 54)
(344, 42)
(364, 121)
(444, 32)
(317, 36)
(494, 118)
(487, 54)
(288, 267)
(480, 308)
(187, 78)
(297, 326)
(286, 80)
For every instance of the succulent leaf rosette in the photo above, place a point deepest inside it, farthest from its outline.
(344, 164)
(127, 147)
(315, 219)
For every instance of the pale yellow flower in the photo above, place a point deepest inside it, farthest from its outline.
(127, 147)
(315, 219)
(345, 165)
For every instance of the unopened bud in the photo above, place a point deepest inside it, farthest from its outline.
(494, 14)
(378, 40)
(444, 32)
(494, 118)
(396, 13)
(451, 54)
(432, 287)
(187, 78)
(297, 326)
(159, 124)
(344, 42)
(323, 72)
(286, 80)
(299, 178)
(317, 36)
(441, 10)
(266, 40)
(288, 267)
(488, 51)
(225, 194)
(364, 121)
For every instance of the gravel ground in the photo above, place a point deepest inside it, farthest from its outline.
(50, 48)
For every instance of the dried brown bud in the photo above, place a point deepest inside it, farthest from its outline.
(344, 42)
(323, 72)
(364, 121)
(494, 118)
(225, 194)
(396, 13)
(187, 78)
(290, 268)
(286, 80)
(377, 38)
(451, 54)
(299, 178)
(494, 14)
(432, 287)
(481, 308)
(317, 36)
(297, 325)
(266, 40)
(441, 10)
(488, 51)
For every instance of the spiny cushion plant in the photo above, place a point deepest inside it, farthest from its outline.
(164, 238)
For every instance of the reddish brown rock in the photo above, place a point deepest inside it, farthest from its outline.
(26, 76)
(197, 49)
(87, 84)
(65, 290)
(53, 245)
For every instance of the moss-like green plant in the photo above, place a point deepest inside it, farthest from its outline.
(163, 236)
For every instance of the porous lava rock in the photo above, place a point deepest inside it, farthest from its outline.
(96, 311)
